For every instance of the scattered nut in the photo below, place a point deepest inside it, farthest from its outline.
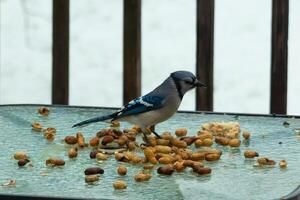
(70, 139)
(165, 160)
(180, 132)
(44, 111)
(165, 170)
(119, 185)
(122, 170)
(197, 156)
(23, 162)
(36, 126)
(179, 166)
(72, 153)
(207, 142)
(250, 154)
(265, 161)
(20, 155)
(93, 170)
(80, 140)
(178, 143)
(93, 154)
(163, 142)
(201, 170)
(55, 162)
(234, 142)
(222, 141)
(149, 154)
(49, 136)
(101, 156)
(282, 164)
(94, 142)
(212, 157)
(163, 149)
(140, 177)
(198, 143)
(107, 139)
(91, 178)
(246, 135)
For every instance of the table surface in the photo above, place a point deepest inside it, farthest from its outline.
(233, 176)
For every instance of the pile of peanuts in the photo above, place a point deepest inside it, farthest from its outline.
(171, 153)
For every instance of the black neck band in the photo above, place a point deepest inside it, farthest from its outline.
(178, 86)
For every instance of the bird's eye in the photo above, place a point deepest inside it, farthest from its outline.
(188, 82)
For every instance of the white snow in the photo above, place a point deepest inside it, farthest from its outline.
(242, 51)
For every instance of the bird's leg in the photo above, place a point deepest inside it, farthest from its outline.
(158, 136)
(152, 130)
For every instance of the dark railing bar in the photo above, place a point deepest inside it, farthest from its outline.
(60, 52)
(279, 56)
(132, 50)
(205, 53)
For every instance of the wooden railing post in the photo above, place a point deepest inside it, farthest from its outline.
(132, 50)
(60, 52)
(279, 56)
(204, 54)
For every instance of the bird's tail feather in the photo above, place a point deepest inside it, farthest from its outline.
(93, 120)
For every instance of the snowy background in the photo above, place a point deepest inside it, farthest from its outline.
(242, 51)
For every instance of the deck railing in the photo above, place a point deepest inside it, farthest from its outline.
(204, 53)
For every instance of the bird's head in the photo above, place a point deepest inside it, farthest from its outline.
(185, 81)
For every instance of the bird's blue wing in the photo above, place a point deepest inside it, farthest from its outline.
(140, 105)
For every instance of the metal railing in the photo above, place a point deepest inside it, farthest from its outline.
(204, 53)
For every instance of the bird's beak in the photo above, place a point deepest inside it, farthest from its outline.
(198, 83)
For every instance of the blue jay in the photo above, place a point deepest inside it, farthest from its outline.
(156, 106)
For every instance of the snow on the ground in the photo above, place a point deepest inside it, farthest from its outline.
(242, 51)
